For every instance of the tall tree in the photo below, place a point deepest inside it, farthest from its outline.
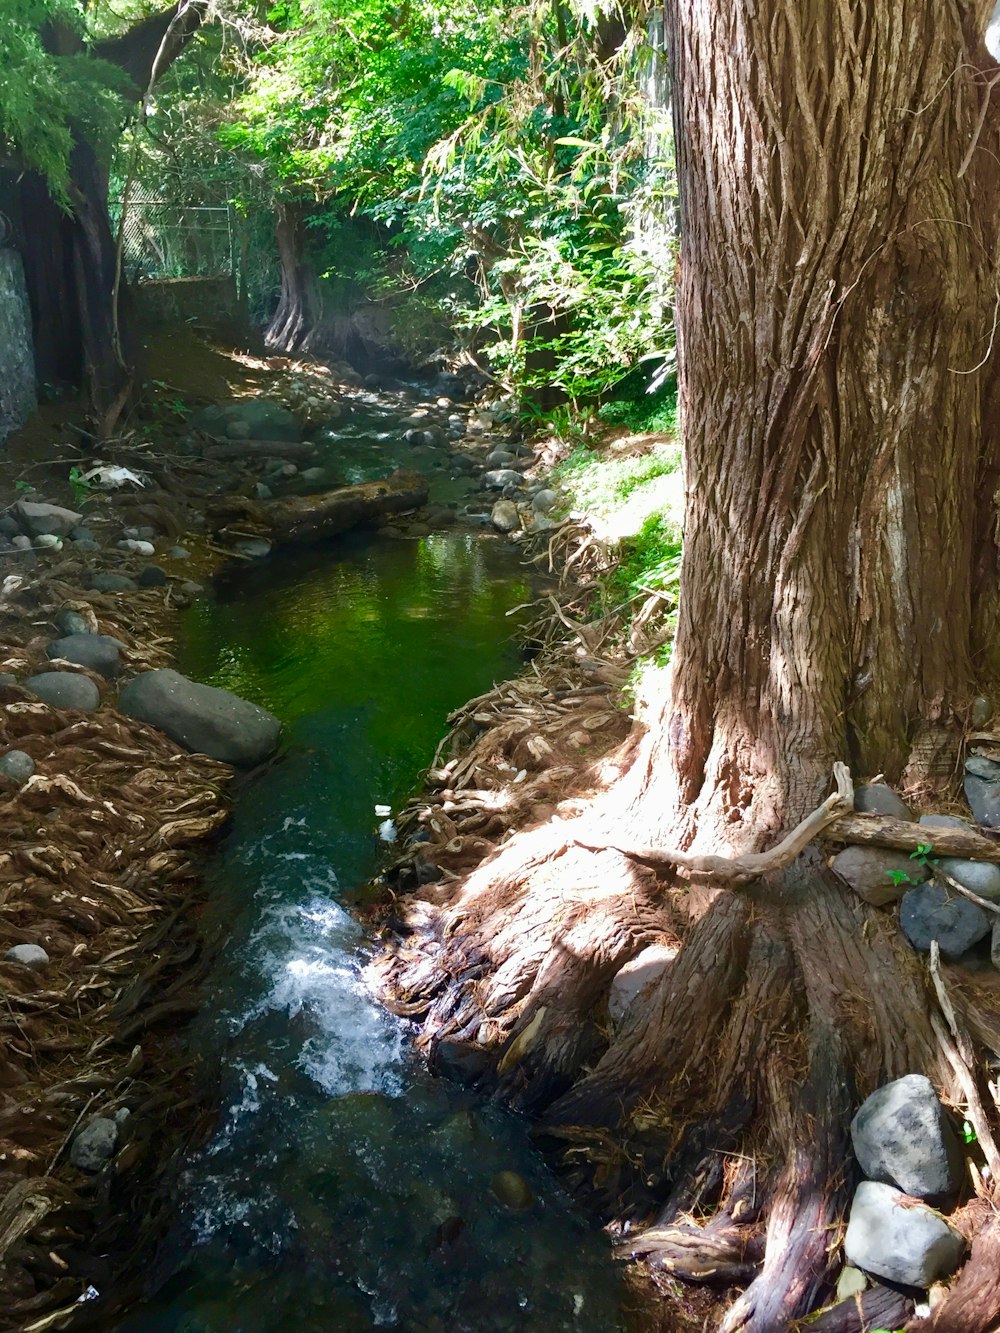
(836, 317)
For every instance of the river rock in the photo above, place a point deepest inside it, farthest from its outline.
(497, 479)
(94, 1144)
(65, 689)
(71, 622)
(545, 500)
(201, 717)
(47, 541)
(7, 678)
(903, 1137)
(39, 520)
(152, 577)
(137, 546)
(504, 516)
(944, 821)
(16, 767)
(28, 955)
(980, 877)
(877, 798)
(104, 582)
(980, 766)
(500, 458)
(257, 418)
(254, 547)
(512, 1190)
(900, 1241)
(97, 652)
(982, 791)
(935, 912)
(637, 976)
(981, 712)
(873, 872)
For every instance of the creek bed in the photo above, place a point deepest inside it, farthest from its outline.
(344, 1187)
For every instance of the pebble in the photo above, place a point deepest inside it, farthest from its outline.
(895, 1239)
(873, 872)
(21, 543)
(934, 912)
(48, 541)
(65, 689)
(28, 955)
(179, 553)
(105, 582)
(512, 1190)
(94, 1144)
(877, 798)
(136, 547)
(903, 1137)
(152, 577)
(16, 766)
(71, 622)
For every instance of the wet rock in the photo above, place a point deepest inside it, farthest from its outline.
(980, 877)
(202, 718)
(71, 622)
(982, 711)
(504, 516)
(944, 821)
(934, 912)
(878, 875)
(903, 1137)
(97, 652)
(257, 419)
(877, 798)
(461, 1061)
(16, 767)
(39, 520)
(545, 500)
(136, 546)
(512, 1190)
(28, 955)
(497, 479)
(103, 582)
(255, 547)
(94, 1144)
(65, 689)
(638, 975)
(906, 1243)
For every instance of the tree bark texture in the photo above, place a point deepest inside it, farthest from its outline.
(837, 308)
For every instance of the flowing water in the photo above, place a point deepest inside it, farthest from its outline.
(344, 1187)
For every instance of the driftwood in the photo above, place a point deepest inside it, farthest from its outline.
(905, 836)
(300, 449)
(310, 518)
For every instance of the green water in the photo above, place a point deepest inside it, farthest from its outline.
(344, 1188)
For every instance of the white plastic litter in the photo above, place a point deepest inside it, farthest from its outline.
(111, 475)
(387, 831)
(383, 810)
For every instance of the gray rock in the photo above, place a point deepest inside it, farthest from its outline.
(9, 526)
(903, 1137)
(39, 520)
(545, 500)
(255, 547)
(135, 546)
(152, 577)
(21, 543)
(637, 976)
(202, 718)
(504, 516)
(875, 873)
(995, 944)
(86, 544)
(263, 491)
(71, 622)
(312, 474)
(258, 418)
(877, 798)
(935, 912)
(944, 821)
(81, 533)
(97, 652)
(7, 678)
(65, 689)
(112, 583)
(981, 877)
(179, 553)
(983, 796)
(191, 589)
(982, 767)
(499, 458)
(47, 541)
(906, 1243)
(28, 955)
(16, 766)
(94, 1144)
(982, 711)
(501, 477)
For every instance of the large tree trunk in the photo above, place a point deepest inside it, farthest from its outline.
(836, 316)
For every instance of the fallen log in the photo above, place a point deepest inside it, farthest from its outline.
(310, 518)
(864, 830)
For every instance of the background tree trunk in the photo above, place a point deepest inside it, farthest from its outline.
(836, 312)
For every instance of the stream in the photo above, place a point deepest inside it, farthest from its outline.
(345, 1188)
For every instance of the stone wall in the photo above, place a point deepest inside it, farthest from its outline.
(17, 366)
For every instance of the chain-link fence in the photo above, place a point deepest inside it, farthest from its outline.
(168, 240)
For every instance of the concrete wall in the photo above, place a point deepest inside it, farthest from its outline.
(17, 366)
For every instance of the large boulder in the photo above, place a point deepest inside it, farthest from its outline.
(898, 1240)
(97, 652)
(43, 520)
(935, 912)
(65, 689)
(903, 1137)
(248, 419)
(202, 718)
(877, 874)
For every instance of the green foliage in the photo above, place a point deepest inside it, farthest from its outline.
(81, 488)
(649, 562)
(45, 97)
(620, 487)
(648, 415)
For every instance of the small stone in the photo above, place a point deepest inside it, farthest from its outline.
(28, 955)
(934, 912)
(878, 875)
(136, 547)
(903, 1137)
(81, 534)
(877, 798)
(180, 552)
(94, 1144)
(152, 577)
(982, 767)
(288, 470)
(852, 1282)
(980, 877)
(86, 544)
(191, 589)
(505, 517)
(48, 541)
(501, 477)
(982, 711)
(103, 582)
(9, 526)
(255, 547)
(39, 520)
(902, 1242)
(637, 976)
(16, 767)
(21, 543)
(512, 1190)
(545, 500)
(97, 652)
(71, 622)
(312, 475)
(7, 678)
(65, 689)
(263, 491)
(499, 458)
(944, 821)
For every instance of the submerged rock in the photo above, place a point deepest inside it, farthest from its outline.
(898, 1240)
(65, 689)
(202, 718)
(935, 912)
(248, 419)
(902, 1136)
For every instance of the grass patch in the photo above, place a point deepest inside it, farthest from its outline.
(620, 491)
(643, 416)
